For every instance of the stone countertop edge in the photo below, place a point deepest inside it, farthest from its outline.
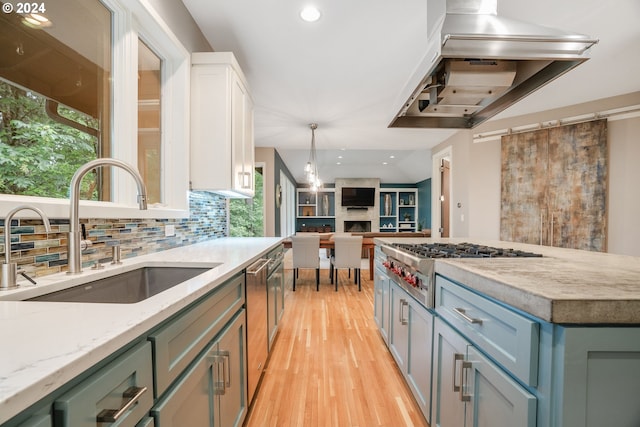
(565, 286)
(47, 344)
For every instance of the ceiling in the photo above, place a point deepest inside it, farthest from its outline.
(345, 71)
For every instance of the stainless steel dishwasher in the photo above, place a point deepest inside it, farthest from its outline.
(257, 330)
(275, 292)
(265, 305)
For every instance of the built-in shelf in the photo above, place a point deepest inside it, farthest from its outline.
(398, 209)
(315, 211)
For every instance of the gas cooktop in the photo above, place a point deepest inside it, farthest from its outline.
(459, 250)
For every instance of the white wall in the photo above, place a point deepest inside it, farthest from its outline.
(476, 168)
(177, 17)
(624, 187)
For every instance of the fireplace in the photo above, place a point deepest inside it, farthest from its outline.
(357, 226)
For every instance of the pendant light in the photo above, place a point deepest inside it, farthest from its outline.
(311, 168)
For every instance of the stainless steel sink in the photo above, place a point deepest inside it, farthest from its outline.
(126, 288)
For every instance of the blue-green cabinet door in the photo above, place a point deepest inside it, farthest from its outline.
(493, 399)
(190, 401)
(398, 321)
(213, 392)
(381, 302)
(418, 366)
(231, 374)
(449, 350)
(598, 375)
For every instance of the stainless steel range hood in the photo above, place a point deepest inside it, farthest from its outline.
(478, 63)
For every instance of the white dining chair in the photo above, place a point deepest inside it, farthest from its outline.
(306, 254)
(347, 254)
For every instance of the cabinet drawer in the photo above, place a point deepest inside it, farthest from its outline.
(178, 342)
(508, 337)
(122, 381)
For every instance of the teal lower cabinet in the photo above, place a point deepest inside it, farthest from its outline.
(495, 366)
(120, 393)
(190, 370)
(381, 302)
(176, 343)
(449, 349)
(410, 342)
(596, 377)
(381, 296)
(213, 391)
(399, 325)
(469, 390)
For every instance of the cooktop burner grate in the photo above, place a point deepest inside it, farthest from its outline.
(460, 250)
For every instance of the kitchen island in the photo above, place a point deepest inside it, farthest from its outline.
(563, 286)
(551, 341)
(45, 345)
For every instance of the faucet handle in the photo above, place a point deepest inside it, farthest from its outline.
(97, 266)
(116, 254)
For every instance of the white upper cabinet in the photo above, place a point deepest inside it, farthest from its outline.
(222, 148)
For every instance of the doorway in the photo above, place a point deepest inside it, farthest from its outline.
(441, 194)
(445, 197)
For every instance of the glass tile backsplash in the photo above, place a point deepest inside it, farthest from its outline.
(39, 253)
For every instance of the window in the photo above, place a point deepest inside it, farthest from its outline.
(64, 101)
(246, 216)
(149, 120)
(54, 99)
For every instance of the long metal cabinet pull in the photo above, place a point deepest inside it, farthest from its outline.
(403, 304)
(463, 368)
(456, 358)
(226, 368)
(218, 358)
(132, 394)
(463, 313)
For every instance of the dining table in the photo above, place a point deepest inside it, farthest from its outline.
(328, 243)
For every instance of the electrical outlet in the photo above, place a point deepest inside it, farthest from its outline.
(169, 230)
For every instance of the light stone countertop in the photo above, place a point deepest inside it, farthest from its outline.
(46, 344)
(564, 286)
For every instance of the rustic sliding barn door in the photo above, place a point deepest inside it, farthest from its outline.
(554, 186)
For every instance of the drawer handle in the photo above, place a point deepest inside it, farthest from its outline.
(403, 304)
(463, 313)
(456, 358)
(132, 394)
(221, 382)
(464, 366)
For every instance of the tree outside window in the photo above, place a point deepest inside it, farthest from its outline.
(246, 216)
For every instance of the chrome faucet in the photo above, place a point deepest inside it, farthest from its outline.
(74, 244)
(9, 269)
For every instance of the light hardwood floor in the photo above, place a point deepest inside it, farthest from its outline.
(329, 365)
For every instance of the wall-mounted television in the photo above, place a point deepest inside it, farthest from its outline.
(358, 196)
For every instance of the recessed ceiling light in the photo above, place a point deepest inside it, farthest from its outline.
(338, 163)
(339, 157)
(385, 163)
(392, 156)
(310, 14)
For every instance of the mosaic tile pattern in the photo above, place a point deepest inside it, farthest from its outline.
(40, 253)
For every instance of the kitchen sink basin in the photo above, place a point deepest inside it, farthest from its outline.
(126, 288)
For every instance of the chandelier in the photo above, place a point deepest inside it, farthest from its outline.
(311, 168)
